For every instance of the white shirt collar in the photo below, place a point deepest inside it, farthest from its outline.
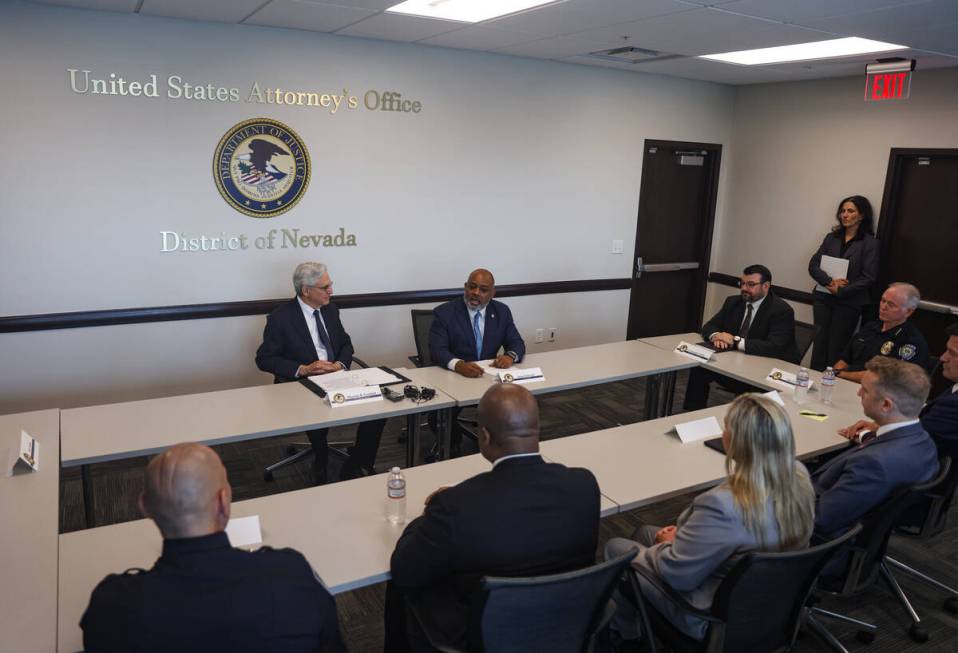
(954, 388)
(307, 309)
(472, 311)
(515, 455)
(756, 304)
(882, 430)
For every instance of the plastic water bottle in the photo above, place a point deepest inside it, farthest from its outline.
(396, 496)
(828, 384)
(801, 385)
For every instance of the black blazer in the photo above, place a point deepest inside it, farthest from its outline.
(940, 419)
(772, 332)
(203, 595)
(287, 345)
(862, 255)
(526, 517)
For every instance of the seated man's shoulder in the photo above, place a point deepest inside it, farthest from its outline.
(286, 560)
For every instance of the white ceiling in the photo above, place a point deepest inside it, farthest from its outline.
(570, 29)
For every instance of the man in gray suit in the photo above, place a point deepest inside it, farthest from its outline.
(899, 453)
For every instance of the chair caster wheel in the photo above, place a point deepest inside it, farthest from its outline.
(918, 634)
(865, 636)
(951, 605)
(291, 450)
(268, 477)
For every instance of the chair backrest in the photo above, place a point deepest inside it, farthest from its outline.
(421, 323)
(932, 509)
(760, 601)
(804, 337)
(878, 524)
(556, 614)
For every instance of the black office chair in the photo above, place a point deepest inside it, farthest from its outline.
(759, 605)
(804, 337)
(300, 450)
(933, 512)
(560, 613)
(866, 562)
(421, 324)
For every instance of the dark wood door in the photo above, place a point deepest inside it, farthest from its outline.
(918, 230)
(673, 237)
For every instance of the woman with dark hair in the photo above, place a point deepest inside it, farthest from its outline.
(837, 308)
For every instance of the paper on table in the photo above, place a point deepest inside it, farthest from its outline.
(775, 396)
(244, 531)
(698, 429)
(836, 268)
(487, 367)
(353, 378)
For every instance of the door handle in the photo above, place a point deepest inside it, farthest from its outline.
(641, 267)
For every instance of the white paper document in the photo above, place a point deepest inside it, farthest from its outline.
(699, 429)
(695, 352)
(487, 367)
(244, 531)
(785, 379)
(836, 268)
(776, 396)
(353, 378)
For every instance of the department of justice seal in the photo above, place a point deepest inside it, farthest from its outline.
(886, 348)
(261, 167)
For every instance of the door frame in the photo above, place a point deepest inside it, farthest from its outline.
(705, 254)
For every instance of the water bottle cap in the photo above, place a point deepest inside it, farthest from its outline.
(394, 470)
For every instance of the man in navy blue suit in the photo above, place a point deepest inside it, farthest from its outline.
(305, 337)
(899, 452)
(940, 415)
(474, 329)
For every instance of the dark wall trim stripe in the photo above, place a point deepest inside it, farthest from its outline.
(49, 321)
(785, 293)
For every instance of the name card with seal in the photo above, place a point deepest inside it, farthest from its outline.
(356, 395)
(775, 396)
(521, 376)
(244, 532)
(698, 429)
(28, 458)
(695, 352)
(785, 379)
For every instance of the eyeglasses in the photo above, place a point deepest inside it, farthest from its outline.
(749, 284)
(323, 288)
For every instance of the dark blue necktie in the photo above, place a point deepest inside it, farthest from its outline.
(323, 336)
(478, 334)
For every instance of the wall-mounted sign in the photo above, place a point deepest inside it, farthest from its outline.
(261, 167)
(888, 80)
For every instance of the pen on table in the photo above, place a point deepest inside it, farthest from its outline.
(809, 413)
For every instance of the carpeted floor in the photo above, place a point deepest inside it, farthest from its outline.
(116, 486)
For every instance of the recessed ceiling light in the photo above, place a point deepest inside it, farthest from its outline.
(805, 51)
(465, 11)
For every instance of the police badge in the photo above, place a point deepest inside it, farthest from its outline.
(907, 352)
(261, 167)
(887, 347)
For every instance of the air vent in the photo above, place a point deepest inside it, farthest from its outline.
(625, 55)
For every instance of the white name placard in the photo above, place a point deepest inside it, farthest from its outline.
(785, 379)
(695, 352)
(525, 375)
(698, 430)
(244, 532)
(356, 395)
(28, 457)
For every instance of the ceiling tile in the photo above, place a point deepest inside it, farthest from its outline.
(397, 27)
(106, 5)
(312, 16)
(790, 11)
(577, 15)
(225, 11)
(705, 31)
(713, 71)
(554, 47)
(480, 37)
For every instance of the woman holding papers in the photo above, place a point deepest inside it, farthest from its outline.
(844, 267)
(766, 503)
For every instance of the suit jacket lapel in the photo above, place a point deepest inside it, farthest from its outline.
(302, 329)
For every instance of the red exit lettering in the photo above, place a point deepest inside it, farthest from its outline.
(887, 86)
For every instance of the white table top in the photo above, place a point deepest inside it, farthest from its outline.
(29, 522)
(340, 528)
(564, 369)
(640, 464)
(136, 428)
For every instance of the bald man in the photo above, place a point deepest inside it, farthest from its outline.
(474, 328)
(525, 517)
(203, 595)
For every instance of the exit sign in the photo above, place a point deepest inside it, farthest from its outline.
(887, 86)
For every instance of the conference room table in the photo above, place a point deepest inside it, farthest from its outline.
(29, 522)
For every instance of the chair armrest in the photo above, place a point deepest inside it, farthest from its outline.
(671, 595)
(360, 361)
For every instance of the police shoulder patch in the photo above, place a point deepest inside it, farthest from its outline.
(261, 167)
(907, 352)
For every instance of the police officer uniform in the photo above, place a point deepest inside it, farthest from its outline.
(203, 595)
(904, 342)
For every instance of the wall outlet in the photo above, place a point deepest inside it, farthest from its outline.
(617, 246)
(553, 334)
(539, 334)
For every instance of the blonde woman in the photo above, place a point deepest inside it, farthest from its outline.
(766, 503)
